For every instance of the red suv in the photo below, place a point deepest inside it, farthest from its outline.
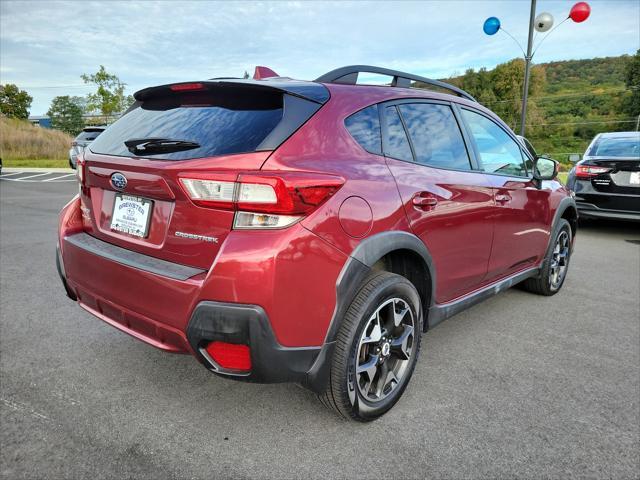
(292, 231)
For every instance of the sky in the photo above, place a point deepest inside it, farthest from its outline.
(46, 45)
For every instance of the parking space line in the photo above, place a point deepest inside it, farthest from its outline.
(11, 173)
(32, 176)
(56, 178)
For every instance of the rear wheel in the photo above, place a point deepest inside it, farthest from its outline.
(376, 348)
(556, 263)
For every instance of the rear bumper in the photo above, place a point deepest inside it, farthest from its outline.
(589, 210)
(181, 309)
(210, 320)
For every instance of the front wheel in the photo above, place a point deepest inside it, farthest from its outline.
(376, 349)
(556, 264)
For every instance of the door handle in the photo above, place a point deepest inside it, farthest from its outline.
(502, 197)
(424, 202)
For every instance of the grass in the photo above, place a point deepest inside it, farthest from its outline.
(562, 176)
(38, 162)
(19, 140)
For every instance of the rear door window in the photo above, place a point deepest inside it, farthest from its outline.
(397, 142)
(364, 127)
(436, 136)
(499, 153)
(221, 122)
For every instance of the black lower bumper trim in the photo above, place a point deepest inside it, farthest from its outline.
(248, 325)
(589, 210)
(63, 277)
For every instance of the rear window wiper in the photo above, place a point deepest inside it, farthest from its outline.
(153, 146)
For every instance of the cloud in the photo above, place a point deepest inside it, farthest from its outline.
(48, 45)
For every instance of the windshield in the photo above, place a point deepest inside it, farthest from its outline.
(214, 123)
(616, 147)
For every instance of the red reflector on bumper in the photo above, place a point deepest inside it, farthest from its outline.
(230, 356)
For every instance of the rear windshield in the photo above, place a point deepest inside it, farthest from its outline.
(88, 136)
(221, 122)
(616, 147)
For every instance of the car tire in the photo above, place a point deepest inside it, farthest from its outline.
(376, 349)
(556, 263)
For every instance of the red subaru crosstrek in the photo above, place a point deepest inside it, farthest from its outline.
(292, 231)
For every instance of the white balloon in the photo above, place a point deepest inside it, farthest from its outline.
(543, 22)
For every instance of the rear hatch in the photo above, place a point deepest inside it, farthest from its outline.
(132, 194)
(612, 164)
(615, 175)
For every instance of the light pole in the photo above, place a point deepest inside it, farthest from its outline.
(527, 67)
(541, 23)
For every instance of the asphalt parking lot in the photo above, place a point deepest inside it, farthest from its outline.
(519, 386)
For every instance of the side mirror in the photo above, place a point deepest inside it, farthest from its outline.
(545, 169)
(574, 157)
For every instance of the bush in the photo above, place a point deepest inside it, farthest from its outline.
(21, 140)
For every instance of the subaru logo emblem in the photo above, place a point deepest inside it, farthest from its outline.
(119, 181)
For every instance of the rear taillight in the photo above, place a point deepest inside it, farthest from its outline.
(80, 168)
(589, 171)
(230, 356)
(262, 200)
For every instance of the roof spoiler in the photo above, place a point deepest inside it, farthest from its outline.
(314, 92)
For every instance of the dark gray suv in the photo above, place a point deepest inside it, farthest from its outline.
(84, 138)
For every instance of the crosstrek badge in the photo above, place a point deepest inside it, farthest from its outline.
(193, 236)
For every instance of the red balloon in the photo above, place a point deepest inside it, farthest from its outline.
(580, 12)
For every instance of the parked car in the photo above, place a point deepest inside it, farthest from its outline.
(606, 181)
(308, 231)
(84, 138)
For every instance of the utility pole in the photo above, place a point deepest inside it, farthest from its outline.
(527, 67)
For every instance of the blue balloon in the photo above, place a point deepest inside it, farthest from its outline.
(491, 26)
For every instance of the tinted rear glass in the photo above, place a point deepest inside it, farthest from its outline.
(88, 136)
(222, 122)
(616, 147)
(398, 144)
(364, 126)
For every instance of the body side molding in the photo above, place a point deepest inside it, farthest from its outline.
(440, 312)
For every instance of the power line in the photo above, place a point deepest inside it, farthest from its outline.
(579, 123)
(36, 87)
(568, 95)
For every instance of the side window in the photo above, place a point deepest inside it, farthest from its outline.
(499, 153)
(398, 144)
(435, 135)
(364, 127)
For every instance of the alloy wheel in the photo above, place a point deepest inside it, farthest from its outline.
(559, 260)
(385, 349)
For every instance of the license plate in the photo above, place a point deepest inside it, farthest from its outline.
(131, 215)
(634, 178)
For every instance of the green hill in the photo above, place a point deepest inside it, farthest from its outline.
(569, 101)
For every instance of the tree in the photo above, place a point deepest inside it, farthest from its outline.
(109, 98)
(66, 115)
(501, 89)
(631, 105)
(14, 102)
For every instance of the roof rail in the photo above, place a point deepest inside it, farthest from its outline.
(349, 76)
